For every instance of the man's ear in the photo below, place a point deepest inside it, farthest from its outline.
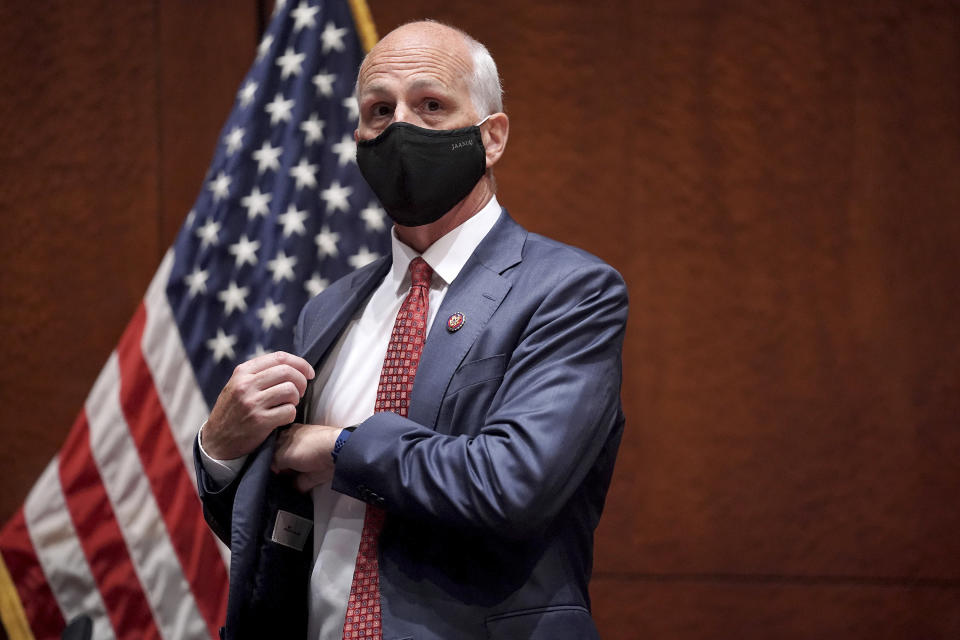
(494, 133)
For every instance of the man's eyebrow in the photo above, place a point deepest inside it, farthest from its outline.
(378, 88)
(373, 88)
(427, 83)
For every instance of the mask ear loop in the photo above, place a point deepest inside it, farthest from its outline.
(481, 132)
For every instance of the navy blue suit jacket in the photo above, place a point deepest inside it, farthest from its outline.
(494, 483)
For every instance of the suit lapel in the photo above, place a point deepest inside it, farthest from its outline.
(334, 316)
(476, 293)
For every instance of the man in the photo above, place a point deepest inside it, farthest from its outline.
(451, 489)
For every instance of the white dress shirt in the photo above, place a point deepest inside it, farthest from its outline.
(345, 391)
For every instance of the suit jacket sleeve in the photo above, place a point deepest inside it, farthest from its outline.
(541, 433)
(218, 499)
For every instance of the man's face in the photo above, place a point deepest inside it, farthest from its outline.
(417, 74)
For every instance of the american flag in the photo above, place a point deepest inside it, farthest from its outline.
(113, 528)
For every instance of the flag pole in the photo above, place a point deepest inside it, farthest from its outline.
(12, 615)
(366, 29)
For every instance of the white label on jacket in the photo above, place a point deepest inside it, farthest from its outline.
(291, 530)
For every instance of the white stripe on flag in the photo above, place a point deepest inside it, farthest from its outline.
(172, 373)
(61, 557)
(144, 532)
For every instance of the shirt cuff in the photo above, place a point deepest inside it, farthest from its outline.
(222, 472)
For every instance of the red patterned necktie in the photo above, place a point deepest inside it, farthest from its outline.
(393, 394)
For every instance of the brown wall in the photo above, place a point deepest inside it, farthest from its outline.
(777, 181)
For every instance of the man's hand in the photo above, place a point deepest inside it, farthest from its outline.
(306, 449)
(261, 395)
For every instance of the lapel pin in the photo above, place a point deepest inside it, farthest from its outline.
(455, 321)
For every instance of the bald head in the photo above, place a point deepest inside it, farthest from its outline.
(469, 62)
(424, 31)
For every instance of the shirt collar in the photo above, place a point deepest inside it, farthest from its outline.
(450, 252)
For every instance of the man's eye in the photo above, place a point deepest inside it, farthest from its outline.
(433, 105)
(381, 110)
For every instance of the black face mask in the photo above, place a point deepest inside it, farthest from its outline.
(420, 174)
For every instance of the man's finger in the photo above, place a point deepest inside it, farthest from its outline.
(278, 416)
(303, 483)
(267, 360)
(279, 374)
(307, 481)
(280, 394)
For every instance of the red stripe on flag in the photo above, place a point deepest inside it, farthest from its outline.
(37, 599)
(100, 537)
(178, 501)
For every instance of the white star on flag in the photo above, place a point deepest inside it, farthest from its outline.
(234, 140)
(373, 217)
(282, 266)
(336, 197)
(209, 233)
(257, 352)
(353, 109)
(220, 186)
(346, 150)
(290, 63)
(305, 174)
(222, 346)
(292, 221)
(269, 314)
(324, 82)
(304, 16)
(326, 242)
(197, 281)
(332, 38)
(267, 157)
(279, 109)
(362, 258)
(247, 93)
(257, 204)
(264, 47)
(313, 127)
(233, 298)
(245, 251)
(316, 284)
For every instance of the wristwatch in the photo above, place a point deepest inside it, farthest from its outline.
(341, 440)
